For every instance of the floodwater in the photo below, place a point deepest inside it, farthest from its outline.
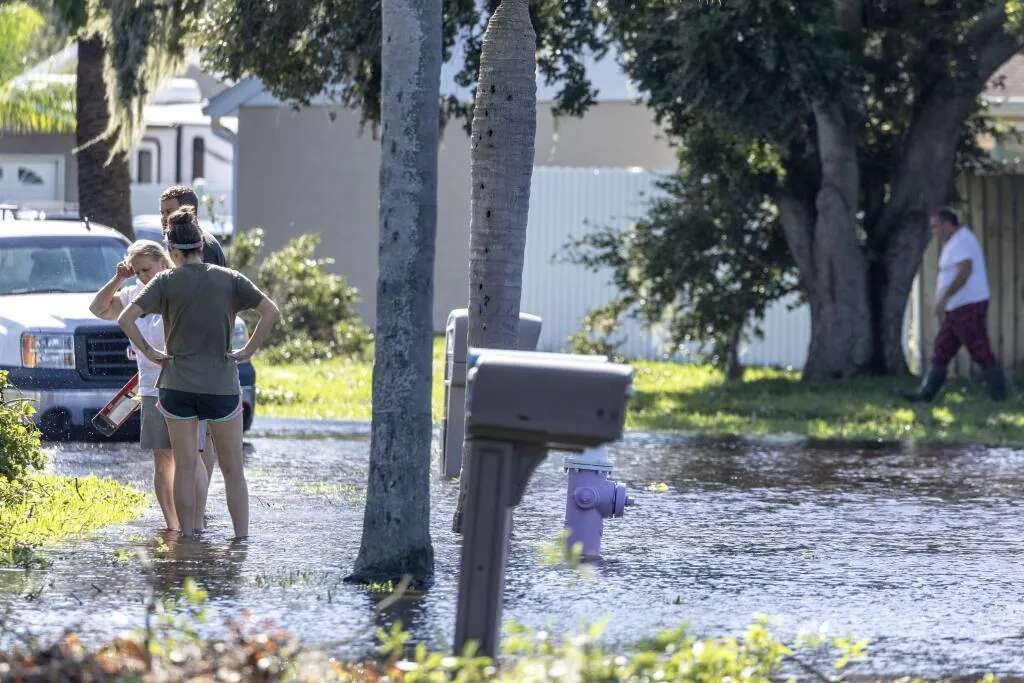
(919, 550)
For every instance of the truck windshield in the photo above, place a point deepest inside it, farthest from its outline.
(39, 264)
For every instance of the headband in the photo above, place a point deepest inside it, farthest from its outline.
(185, 247)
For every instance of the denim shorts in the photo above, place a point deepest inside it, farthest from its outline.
(186, 405)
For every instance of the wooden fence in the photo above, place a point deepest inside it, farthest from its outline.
(993, 205)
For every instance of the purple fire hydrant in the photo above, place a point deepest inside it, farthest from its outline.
(590, 499)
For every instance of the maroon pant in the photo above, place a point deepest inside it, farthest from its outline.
(964, 325)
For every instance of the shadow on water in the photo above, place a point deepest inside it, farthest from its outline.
(915, 548)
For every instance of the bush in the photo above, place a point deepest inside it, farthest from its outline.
(19, 437)
(318, 317)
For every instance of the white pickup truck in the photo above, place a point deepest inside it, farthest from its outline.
(55, 352)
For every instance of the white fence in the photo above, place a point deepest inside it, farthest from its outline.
(567, 203)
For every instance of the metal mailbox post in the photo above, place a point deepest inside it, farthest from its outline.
(520, 405)
(453, 422)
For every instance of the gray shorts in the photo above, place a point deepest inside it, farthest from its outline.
(154, 428)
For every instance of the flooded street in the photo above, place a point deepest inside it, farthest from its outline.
(919, 550)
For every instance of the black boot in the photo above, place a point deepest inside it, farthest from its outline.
(995, 378)
(930, 386)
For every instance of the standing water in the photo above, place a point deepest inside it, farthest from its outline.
(916, 549)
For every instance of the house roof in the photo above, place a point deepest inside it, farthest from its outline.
(606, 75)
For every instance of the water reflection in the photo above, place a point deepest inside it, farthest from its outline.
(914, 548)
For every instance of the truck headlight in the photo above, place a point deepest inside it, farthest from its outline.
(48, 350)
(239, 336)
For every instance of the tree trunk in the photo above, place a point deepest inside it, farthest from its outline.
(104, 183)
(503, 133)
(396, 523)
(733, 366)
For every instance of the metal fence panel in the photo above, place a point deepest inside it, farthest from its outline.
(567, 203)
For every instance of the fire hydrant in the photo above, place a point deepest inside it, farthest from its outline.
(590, 499)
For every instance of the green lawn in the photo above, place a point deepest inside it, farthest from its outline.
(694, 399)
(44, 508)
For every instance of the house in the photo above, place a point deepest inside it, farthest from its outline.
(180, 145)
(315, 169)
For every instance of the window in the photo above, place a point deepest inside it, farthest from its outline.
(198, 158)
(27, 176)
(66, 264)
(144, 164)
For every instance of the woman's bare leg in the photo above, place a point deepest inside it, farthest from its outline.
(204, 473)
(186, 458)
(227, 436)
(163, 485)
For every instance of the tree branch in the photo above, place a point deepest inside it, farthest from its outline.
(930, 146)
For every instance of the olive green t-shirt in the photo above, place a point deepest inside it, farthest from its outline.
(198, 303)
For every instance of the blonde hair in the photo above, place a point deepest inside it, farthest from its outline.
(149, 249)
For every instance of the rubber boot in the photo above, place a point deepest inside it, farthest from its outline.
(930, 386)
(995, 378)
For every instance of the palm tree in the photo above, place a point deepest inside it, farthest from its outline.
(503, 132)
(104, 181)
(398, 493)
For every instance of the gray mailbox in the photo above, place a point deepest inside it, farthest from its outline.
(455, 346)
(520, 405)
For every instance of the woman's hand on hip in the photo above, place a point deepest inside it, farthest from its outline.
(156, 355)
(240, 355)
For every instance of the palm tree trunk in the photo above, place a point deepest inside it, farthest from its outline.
(503, 133)
(104, 184)
(396, 521)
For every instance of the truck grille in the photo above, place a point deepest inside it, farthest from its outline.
(106, 355)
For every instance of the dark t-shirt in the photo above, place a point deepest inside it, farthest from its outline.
(198, 303)
(213, 253)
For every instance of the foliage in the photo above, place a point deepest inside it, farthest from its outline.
(19, 437)
(30, 107)
(146, 44)
(171, 648)
(40, 509)
(19, 26)
(334, 47)
(709, 256)
(696, 399)
(318, 318)
(598, 336)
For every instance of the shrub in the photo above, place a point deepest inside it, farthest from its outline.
(318, 317)
(19, 437)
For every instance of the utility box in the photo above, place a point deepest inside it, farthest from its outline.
(455, 351)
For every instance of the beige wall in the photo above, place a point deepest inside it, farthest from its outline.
(299, 171)
(47, 144)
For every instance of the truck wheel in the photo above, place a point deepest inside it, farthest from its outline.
(55, 425)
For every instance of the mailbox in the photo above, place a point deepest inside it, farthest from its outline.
(455, 347)
(520, 405)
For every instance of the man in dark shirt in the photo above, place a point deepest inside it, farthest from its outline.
(177, 196)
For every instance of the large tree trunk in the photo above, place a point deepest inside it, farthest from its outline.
(503, 135)
(104, 183)
(396, 523)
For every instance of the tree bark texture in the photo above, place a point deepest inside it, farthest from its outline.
(502, 148)
(104, 182)
(396, 523)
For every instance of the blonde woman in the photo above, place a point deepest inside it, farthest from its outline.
(144, 260)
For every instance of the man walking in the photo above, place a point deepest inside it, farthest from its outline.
(961, 307)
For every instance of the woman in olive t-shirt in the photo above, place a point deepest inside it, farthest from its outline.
(199, 373)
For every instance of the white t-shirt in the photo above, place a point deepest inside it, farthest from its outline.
(152, 329)
(963, 246)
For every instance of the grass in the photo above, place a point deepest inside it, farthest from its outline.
(44, 508)
(695, 399)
